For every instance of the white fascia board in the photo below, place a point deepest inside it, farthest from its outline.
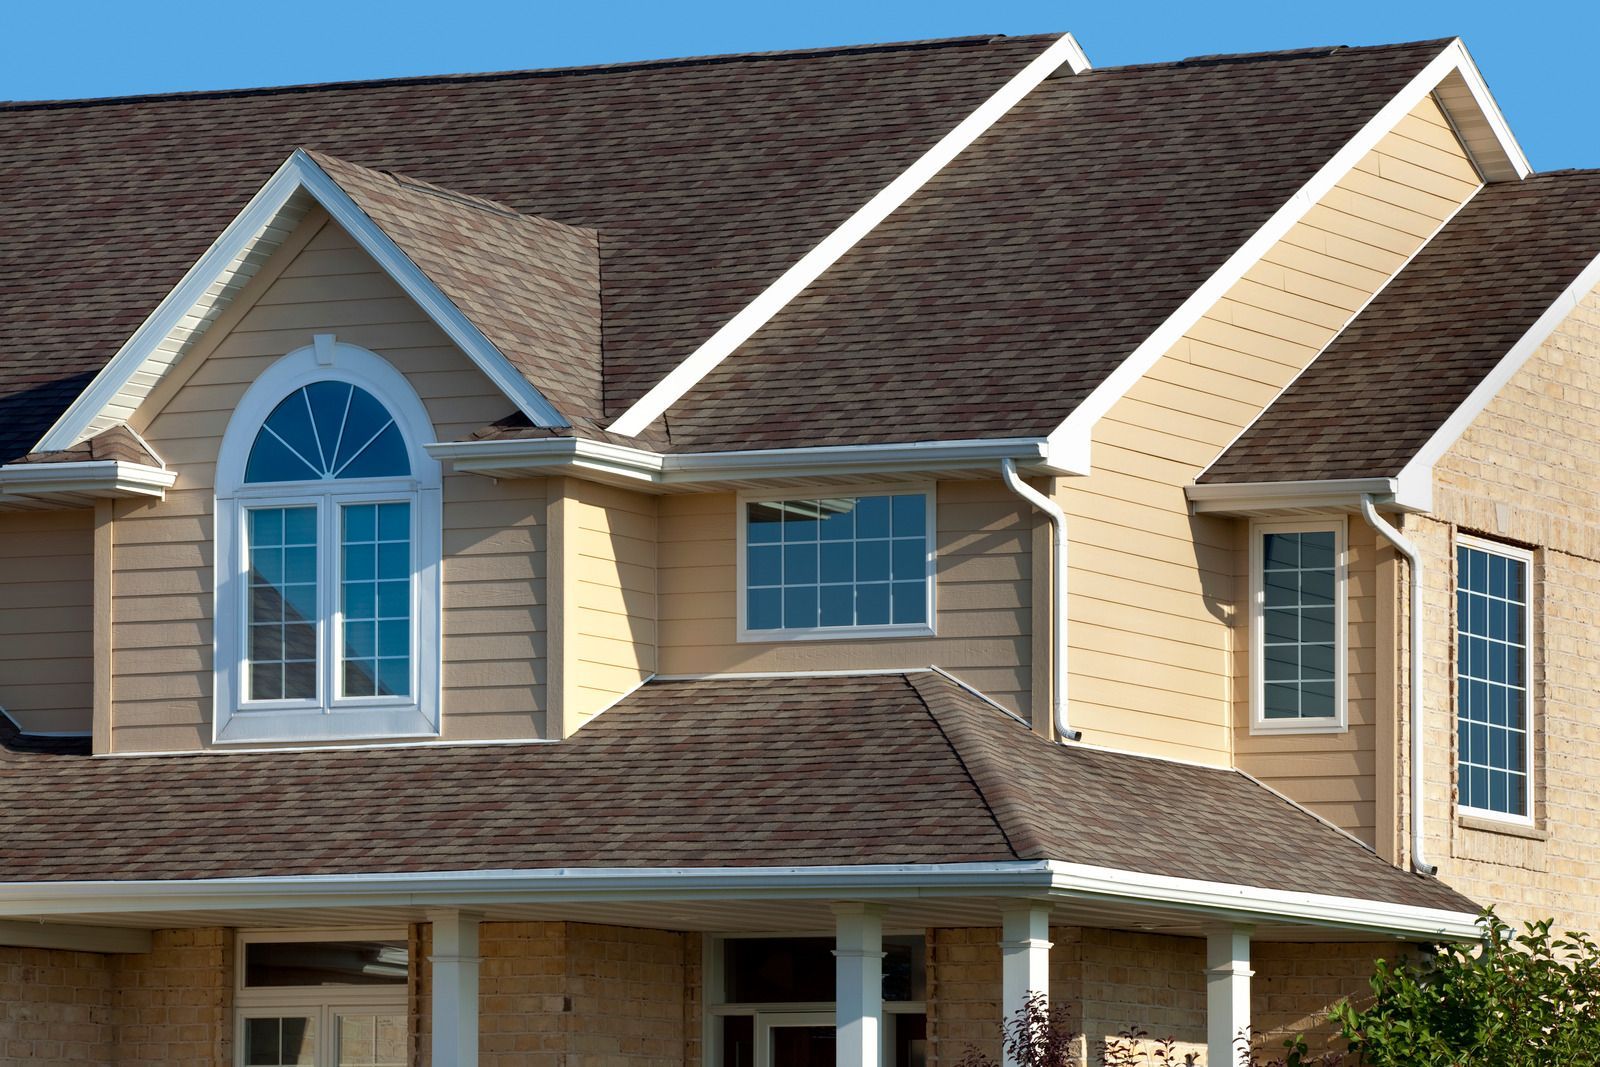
(1416, 477)
(560, 885)
(581, 456)
(1241, 498)
(1247, 903)
(99, 477)
(75, 938)
(1070, 443)
(298, 172)
(1465, 95)
(650, 407)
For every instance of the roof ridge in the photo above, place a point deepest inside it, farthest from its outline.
(625, 66)
(1314, 52)
(977, 765)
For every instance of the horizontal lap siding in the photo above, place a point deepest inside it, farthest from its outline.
(983, 586)
(611, 596)
(47, 619)
(494, 538)
(1156, 611)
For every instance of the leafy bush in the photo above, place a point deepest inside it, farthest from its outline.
(1514, 1000)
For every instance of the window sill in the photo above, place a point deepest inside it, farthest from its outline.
(854, 633)
(1501, 826)
(311, 726)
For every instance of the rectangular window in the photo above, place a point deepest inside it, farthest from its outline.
(1298, 627)
(375, 599)
(282, 546)
(833, 565)
(334, 999)
(1493, 771)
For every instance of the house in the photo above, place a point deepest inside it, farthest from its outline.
(770, 560)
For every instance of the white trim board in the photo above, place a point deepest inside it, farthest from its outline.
(1033, 879)
(650, 407)
(234, 257)
(1070, 442)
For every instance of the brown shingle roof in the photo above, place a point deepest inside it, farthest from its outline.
(728, 772)
(531, 286)
(118, 443)
(1375, 396)
(996, 298)
(704, 178)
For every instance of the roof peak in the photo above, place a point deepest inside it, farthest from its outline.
(531, 73)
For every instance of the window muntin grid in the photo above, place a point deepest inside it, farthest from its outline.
(1299, 626)
(1492, 711)
(375, 599)
(283, 603)
(837, 563)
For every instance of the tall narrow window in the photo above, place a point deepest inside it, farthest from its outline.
(1493, 742)
(1298, 627)
(329, 511)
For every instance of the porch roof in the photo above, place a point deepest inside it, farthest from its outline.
(903, 768)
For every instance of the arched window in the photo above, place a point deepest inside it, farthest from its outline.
(328, 550)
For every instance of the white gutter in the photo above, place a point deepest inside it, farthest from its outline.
(1065, 883)
(1234, 498)
(1058, 596)
(1369, 511)
(96, 477)
(644, 468)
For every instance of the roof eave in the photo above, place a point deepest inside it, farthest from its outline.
(658, 472)
(1247, 499)
(79, 484)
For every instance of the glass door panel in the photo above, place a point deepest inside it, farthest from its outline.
(370, 1039)
(284, 1041)
(799, 1039)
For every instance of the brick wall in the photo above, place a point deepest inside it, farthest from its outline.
(173, 1006)
(1524, 472)
(55, 1007)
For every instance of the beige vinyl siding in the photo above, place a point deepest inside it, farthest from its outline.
(493, 574)
(47, 625)
(1153, 592)
(1335, 774)
(608, 596)
(983, 587)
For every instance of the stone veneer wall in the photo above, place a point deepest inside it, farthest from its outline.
(574, 995)
(55, 1007)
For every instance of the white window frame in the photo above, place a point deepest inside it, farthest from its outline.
(1259, 723)
(324, 1003)
(799, 1013)
(330, 717)
(1525, 557)
(833, 633)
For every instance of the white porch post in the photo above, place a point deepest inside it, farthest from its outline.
(858, 963)
(1227, 993)
(1025, 957)
(455, 987)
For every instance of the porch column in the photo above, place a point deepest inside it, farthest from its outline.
(1025, 957)
(1227, 992)
(858, 964)
(455, 987)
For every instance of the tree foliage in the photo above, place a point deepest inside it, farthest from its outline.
(1529, 999)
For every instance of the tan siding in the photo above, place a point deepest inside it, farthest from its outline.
(493, 575)
(984, 592)
(47, 627)
(1525, 472)
(1154, 590)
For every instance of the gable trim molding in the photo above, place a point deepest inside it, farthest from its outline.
(233, 256)
(792, 282)
(1494, 151)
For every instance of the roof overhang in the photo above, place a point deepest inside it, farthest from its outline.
(638, 468)
(80, 484)
(1248, 499)
(1063, 884)
(222, 271)
(1454, 81)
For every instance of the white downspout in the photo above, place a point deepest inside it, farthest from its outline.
(1414, 702)
(1058, 596)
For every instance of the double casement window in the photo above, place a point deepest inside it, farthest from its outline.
(328, 555)
(1297, 627)
(1494, 773)
(836, 566)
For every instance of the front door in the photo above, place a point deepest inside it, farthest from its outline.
(327, 1035)
(795, 1039)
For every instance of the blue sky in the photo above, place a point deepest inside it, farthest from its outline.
(1538, 56)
